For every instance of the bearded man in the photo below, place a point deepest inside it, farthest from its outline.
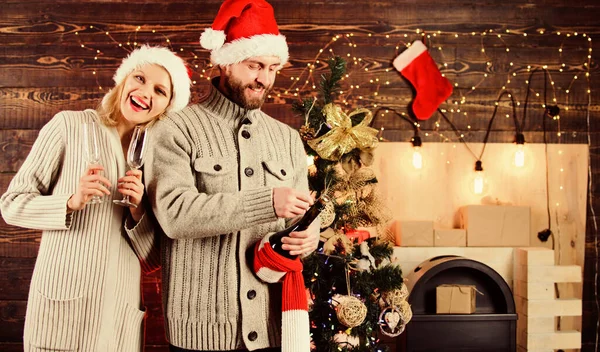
(221, 176)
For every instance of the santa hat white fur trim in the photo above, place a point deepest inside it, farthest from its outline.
(408, 55)
(245, 48)
(212, 39)
(165, 58)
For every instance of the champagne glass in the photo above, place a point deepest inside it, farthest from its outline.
(135, 158)
(91, 149)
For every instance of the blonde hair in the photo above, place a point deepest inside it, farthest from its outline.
(109, 108)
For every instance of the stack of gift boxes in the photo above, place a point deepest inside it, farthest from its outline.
(480, 226)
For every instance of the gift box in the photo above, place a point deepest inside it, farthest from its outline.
(414, 233)
(496, 225)
(450, 238)
(455, 299)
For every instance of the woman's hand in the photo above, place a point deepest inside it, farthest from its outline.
(132, 186)
(91, 183)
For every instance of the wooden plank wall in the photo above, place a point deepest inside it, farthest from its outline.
(485, 45)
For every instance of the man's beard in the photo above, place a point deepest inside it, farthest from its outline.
(236, 92)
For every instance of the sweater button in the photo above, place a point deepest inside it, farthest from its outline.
(217, 167)
(245, 134)
(248, 171)
(251, 294)
(252, 336)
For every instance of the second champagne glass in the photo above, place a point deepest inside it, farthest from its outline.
(135, 158)
(91, 148)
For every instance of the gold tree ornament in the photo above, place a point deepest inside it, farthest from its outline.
(349, 164)
(327, 215)
(306, 132)
(391, 322)
(350, 311)
(366, 156)
(394, 297)
(405, 311)
(337, 241)
(343, 137)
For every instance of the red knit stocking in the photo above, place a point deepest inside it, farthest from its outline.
(416, 65)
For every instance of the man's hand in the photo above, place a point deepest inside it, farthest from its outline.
(303, 242)
(289, 202)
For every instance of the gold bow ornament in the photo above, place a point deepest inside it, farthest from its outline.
(343, 137)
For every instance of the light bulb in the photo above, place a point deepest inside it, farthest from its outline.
(478, 182)
(519, 156)
(520, 153)
(417, 158)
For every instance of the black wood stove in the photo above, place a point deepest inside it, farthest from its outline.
(491, 328)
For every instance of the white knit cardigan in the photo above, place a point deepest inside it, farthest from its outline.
(85, 289)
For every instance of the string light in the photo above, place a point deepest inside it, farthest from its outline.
(519, 158)
(417, 158)
(131, 44)
(374, 76)
(479, 179)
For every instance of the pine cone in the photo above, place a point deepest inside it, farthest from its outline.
(306, 133)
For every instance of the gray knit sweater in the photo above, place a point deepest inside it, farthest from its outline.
(210, 184)
(85, 289)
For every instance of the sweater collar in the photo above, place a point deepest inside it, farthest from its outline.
(230, 112)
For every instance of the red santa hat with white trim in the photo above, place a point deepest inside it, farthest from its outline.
(244, 29)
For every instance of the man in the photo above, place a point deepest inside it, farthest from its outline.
(222, 176)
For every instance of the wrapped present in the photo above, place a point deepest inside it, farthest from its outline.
(416, 233)
(450, 238)
(455, 299)
(496, 225)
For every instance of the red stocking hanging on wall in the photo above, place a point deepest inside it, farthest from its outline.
(417, 66)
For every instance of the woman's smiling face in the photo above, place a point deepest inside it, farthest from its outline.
(146, 94)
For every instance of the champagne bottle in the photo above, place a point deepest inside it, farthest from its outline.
(300, 225)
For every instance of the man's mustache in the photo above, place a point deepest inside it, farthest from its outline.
(256, 85)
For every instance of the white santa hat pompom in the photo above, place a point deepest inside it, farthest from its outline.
(212, 39)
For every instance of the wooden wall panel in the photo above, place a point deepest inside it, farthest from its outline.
(44, 69)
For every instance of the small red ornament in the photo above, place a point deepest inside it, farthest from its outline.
(357, 236)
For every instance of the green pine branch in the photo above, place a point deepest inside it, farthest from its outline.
(330, 84)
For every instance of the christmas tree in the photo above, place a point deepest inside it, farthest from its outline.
(356, 293)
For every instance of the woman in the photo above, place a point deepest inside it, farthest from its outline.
(85, 289)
